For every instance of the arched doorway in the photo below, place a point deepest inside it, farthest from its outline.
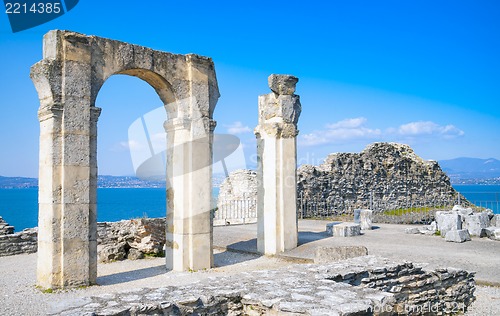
(68, 79)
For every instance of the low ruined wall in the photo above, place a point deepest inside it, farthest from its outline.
(145, 236)
(359, 286)
(19, 243)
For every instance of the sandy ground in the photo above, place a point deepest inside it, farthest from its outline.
(19, 296)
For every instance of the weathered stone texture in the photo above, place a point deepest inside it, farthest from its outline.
(476, 222)
(5, 228)
(276, 133)
(383, 176)
(68, 78)
(359, 286)
(448, 220)
(128, 239)
(346, 230)
(18, 243)
(458, 236)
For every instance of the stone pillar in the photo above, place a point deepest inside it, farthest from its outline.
(67, 243)
(276, 166)
(189, 193)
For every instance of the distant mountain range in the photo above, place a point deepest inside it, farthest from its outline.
(472, 170)
(460, 170)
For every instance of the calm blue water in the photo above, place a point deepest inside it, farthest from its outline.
(19, 207)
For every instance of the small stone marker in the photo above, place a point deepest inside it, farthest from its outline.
(346, 230)
(332, 254)
(459, 236)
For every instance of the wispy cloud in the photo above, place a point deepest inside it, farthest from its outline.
(348, 129)
(237, 128)
(423, 128)
(356, 129)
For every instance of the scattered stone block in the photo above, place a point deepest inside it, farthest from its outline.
(491, 232)
(346, 230)
(464, 211)
(332, 254)
(448, 220)
(365, 218)
(329, 228)
(476, 222)
(495, 220)
(412, 230)
(458, 236)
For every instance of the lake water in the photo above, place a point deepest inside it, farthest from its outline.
(19, 207)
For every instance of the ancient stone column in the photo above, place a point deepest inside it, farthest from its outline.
(189, 193)
(277, 163)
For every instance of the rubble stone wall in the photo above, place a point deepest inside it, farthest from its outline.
(19, 243)
(360, 286)
(383, 176)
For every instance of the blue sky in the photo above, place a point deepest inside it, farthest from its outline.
(425, 73)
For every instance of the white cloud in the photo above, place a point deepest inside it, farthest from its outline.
(237, 128)
(345, 130)
(355, 129)
(429, 128)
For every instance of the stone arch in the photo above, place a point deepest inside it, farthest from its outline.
(68, 78)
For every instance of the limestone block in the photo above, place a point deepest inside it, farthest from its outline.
(495, 220)
(366, 218)
(111, 253)
(491, 232)
(346, 230)
(464, 211)
(282, 84)
(329, 228)
(459, 236)
(448, 220)
(476, 222)
(357, 216)
(332, 254)
(412, 230)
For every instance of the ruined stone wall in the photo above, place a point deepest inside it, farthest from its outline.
(19, 243)
(360, 286)
(383, 176)
(117, 240)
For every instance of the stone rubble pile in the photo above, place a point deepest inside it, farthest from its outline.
(383, 176)
(360, 286)
(459, 224)
(130, 239)
(127, 239)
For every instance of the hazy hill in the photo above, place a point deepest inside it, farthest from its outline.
(471, 168)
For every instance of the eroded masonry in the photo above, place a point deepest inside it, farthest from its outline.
(68, 78)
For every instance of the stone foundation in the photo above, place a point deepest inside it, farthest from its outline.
(360, 286)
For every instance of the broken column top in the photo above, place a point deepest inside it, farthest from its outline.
(282, 84)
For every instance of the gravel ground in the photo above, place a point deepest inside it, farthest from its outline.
(19, 296)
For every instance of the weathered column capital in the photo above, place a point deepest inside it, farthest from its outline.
(277, 130)
(51, 111)
(177, 123)
(279, 110)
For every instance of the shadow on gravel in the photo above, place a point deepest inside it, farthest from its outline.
(307, 237)
(230, 257)
(133, 275)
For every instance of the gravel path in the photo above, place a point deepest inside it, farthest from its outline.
(18, 295)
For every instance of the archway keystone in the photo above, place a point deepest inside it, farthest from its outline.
(68, 79)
